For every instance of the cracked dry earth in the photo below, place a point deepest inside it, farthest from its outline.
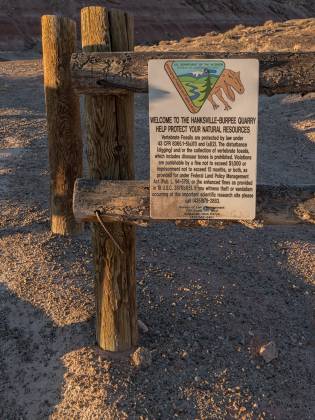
(209, 298)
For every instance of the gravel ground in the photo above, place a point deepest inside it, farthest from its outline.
(209, 298)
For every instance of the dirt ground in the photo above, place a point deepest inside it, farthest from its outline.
(209, 298)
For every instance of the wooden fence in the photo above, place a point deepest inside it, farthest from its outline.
(108, 79)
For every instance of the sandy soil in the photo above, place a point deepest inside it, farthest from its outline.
(210, 298)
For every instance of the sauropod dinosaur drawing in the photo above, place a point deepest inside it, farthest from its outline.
(229, 79)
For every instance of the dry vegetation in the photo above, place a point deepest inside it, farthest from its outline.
(292, 35)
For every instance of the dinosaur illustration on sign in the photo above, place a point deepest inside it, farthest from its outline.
(229, 79)
(197, 81)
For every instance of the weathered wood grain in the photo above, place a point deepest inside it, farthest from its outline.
(129, 201)
(114, 73)
(63, 118)
(109, 122)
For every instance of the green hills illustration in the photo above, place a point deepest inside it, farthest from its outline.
(194, 80)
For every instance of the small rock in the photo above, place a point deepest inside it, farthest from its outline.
(184, 355)
(269, 351)
(142, 326)
(141, 357)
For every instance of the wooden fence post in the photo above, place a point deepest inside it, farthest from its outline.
(109, 121)
(63, 119)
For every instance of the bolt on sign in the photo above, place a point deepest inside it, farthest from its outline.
(203, 138)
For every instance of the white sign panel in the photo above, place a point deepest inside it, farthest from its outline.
(203, 138)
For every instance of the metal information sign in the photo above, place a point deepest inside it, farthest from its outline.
(203, 138)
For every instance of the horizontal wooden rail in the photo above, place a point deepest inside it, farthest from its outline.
(114, 73)
(129, 202)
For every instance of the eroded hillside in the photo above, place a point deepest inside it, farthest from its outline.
(154, 20)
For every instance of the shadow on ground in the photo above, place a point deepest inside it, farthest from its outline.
(208, 311)
(31, 368)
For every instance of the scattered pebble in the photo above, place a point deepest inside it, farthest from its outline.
(269, 351)
(142, 326)
(141, 357)
(184, 355)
